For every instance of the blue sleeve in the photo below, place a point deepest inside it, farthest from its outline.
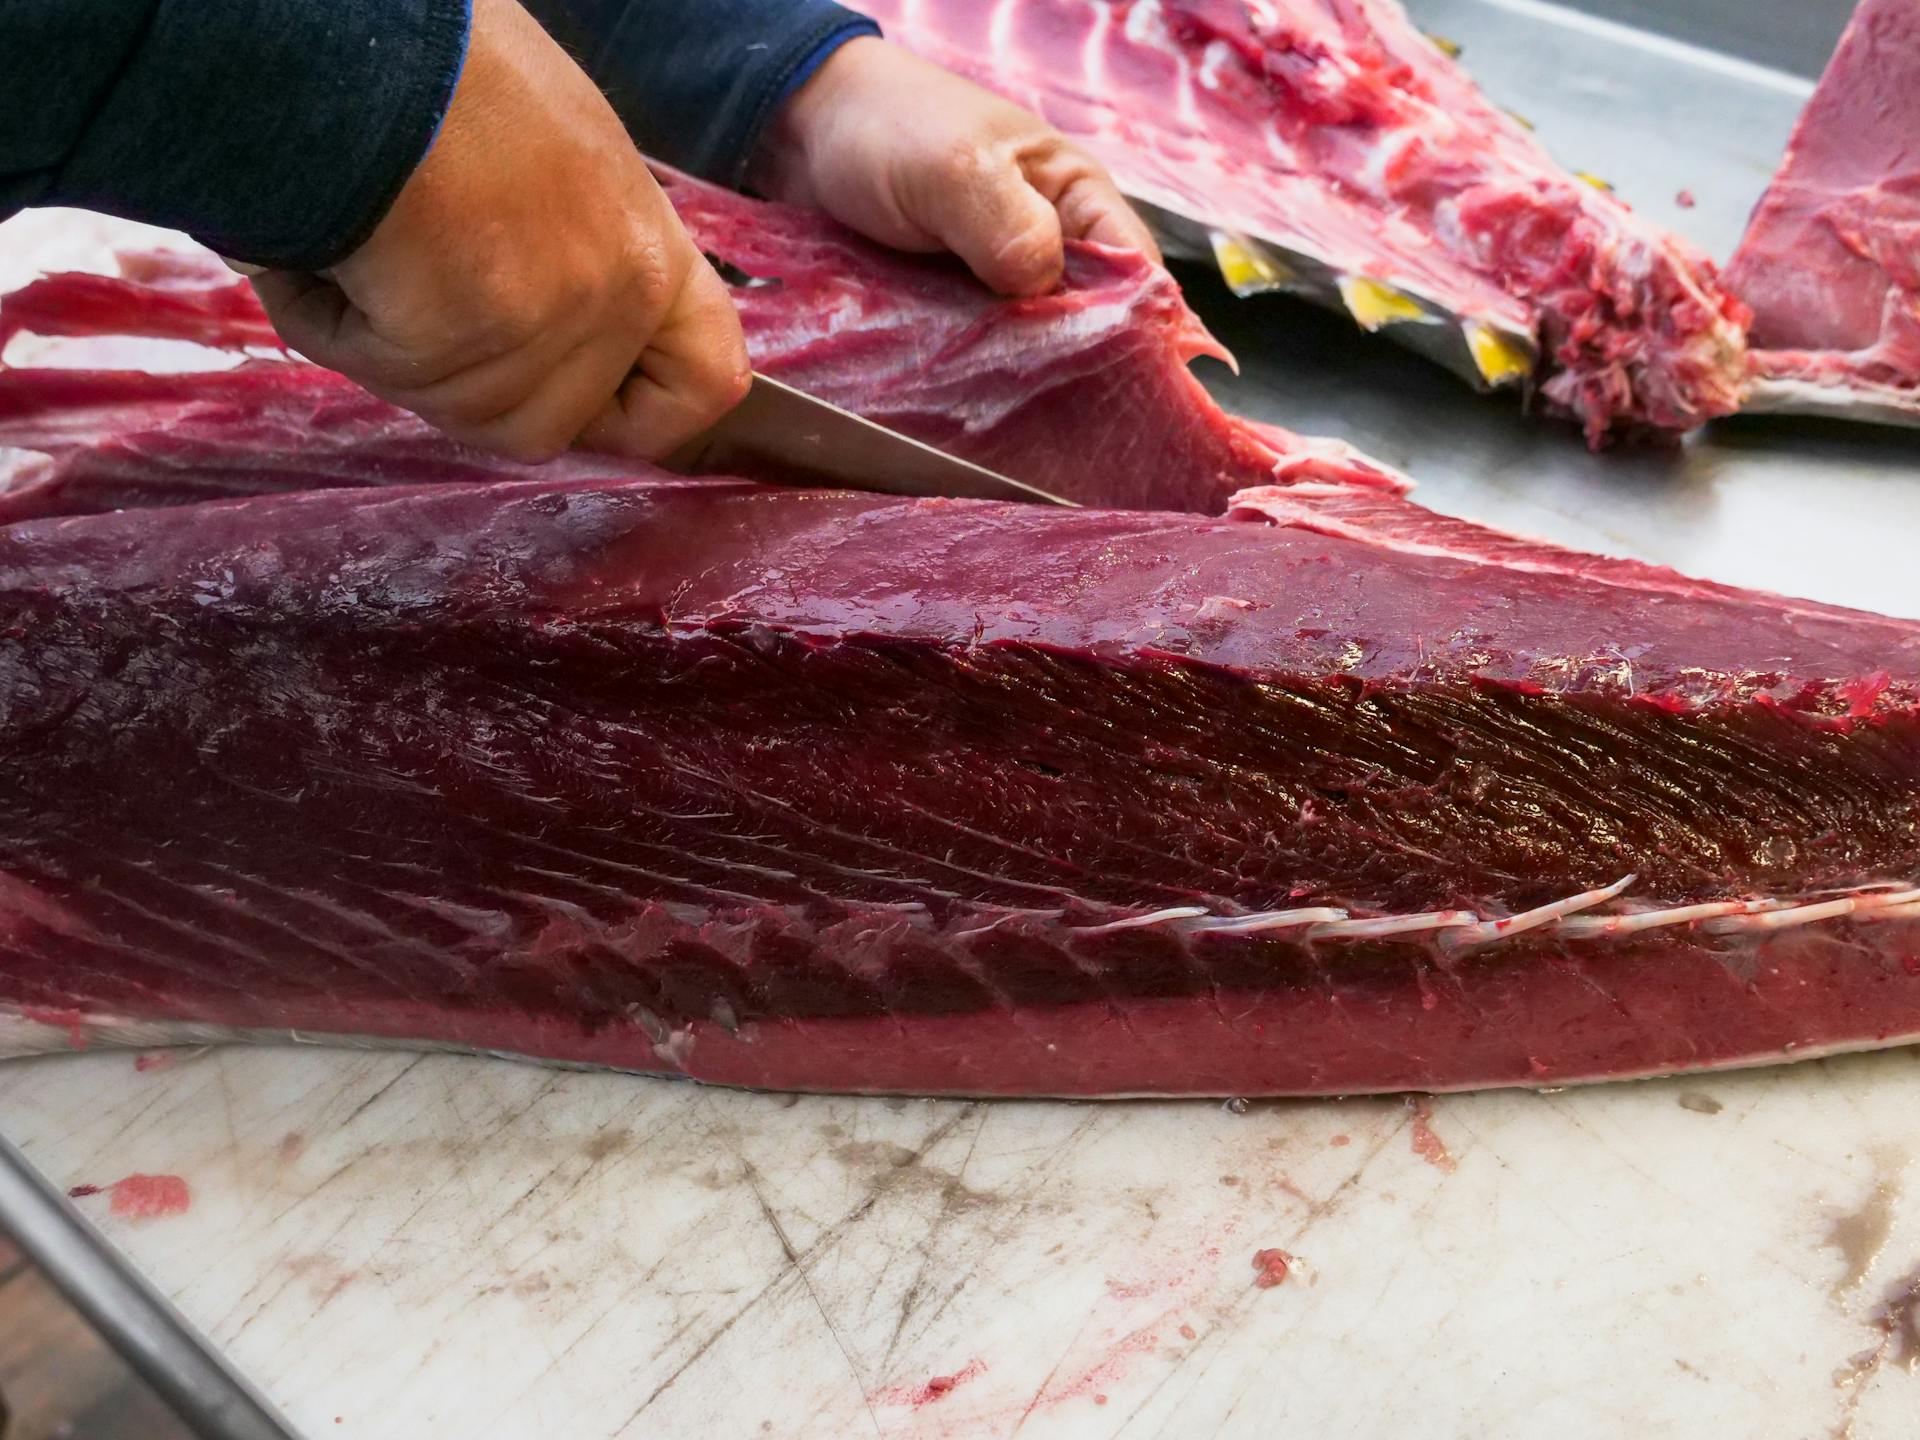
(276, 131)
(698, 81)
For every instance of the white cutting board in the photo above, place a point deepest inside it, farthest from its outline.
(399, 1248)
(415, 1248)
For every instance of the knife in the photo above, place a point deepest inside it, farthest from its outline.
(780, 433)
(204, 1390)
(783, 434)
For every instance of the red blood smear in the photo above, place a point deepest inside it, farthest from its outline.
(1272, 1265)
(938, 1388)
(1187, 1332)
(1685, 200)
(72, 1021)
(149, 1197)
(1427, 1145)
(159, 1060)
(1099, 1399)
(1341, 1140)
(81, 1192)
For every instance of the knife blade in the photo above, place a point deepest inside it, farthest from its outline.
(780, 433)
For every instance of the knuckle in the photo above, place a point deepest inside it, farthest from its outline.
(507, 324)
(647, 274)
(508, 310)
(731, 379)
(964, 162)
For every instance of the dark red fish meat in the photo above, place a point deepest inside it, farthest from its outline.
(816, 790)
(799, 789)
(1831, 260)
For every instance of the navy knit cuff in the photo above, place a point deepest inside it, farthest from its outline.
(276, 131)
(697, 82)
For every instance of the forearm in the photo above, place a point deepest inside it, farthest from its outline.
(277, 131)
(697, 82)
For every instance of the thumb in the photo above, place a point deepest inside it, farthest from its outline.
(984, 210)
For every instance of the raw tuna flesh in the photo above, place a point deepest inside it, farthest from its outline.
(803, 789)
(1831, 260)
(809, 789)
(1335, 129)
(912, 343)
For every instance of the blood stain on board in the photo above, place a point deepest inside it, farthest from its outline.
(608, 1143)
(141, 1197)
(1860, 1235)
(1111, 1366)
(1427, 1145)
(1187, 1332)
(150, 1197)
(155, 1060)
(938, 1388)
(1685, 200)
(1700, 1102)
(1340, 1140)
(1270, 1268)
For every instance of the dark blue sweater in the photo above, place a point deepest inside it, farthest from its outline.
(279, 131)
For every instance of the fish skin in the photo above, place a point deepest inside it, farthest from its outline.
(810, 790)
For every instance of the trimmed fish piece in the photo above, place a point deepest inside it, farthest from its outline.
(1831, 259)
(1337, 133)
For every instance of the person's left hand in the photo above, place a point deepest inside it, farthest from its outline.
(917, 158)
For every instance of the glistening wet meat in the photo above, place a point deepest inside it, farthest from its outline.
(800, 789)
(804, 789)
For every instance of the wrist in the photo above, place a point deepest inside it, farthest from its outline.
(797, 134)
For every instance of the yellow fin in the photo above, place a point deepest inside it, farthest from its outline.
(1246, 265)
(1375, 304)
(1594, 180)
(1500, 359)
(1449, 48)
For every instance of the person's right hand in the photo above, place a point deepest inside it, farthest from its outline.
(531, 287)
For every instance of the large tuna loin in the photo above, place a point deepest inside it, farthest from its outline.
(1328, 147)
(798, 789)
(1831, 260)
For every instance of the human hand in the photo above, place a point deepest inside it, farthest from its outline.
(531, 286)
(917, 158)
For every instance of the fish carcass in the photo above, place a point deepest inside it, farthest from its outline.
(703, 777)
(1328, 147)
